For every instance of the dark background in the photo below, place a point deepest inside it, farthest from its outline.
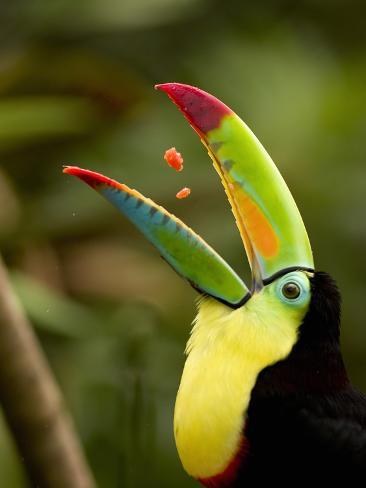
(76, 86)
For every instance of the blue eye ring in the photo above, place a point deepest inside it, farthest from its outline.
(293, 288)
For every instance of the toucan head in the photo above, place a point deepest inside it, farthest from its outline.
(269, 222)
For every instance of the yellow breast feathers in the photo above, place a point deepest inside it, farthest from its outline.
(226, 351)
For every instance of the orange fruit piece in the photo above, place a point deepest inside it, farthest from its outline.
(183, 193)
(174, 159)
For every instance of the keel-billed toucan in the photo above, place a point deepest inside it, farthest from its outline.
(264, 395)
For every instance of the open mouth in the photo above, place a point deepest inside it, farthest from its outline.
(269, 222)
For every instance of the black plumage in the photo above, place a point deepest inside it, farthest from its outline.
(305, 421)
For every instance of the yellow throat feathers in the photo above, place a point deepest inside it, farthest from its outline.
(225, 353)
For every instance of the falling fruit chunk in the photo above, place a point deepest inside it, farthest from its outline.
(183, 193)
(174, 159)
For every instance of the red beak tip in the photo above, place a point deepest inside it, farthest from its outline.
(168, 87)
(68, 169)
(90, 177)
(202, 110)
(93, 179)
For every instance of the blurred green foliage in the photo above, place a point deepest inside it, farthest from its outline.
(76, 84)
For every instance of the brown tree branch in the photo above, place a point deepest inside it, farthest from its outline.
(33, 405)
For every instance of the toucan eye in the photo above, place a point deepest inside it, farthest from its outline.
(291, 290)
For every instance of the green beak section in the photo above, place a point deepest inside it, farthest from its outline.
(183, 249)
(268, 219)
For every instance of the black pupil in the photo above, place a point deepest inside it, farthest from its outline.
(291, 290)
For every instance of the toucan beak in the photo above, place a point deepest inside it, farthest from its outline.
(186, 252)
(269, 222)
(268, 219)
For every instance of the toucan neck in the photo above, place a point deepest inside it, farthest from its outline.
(319, 369)
(315, 364)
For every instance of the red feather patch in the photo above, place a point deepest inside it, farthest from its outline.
(228, 476)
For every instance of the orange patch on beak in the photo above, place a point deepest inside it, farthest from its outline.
(257, 227)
